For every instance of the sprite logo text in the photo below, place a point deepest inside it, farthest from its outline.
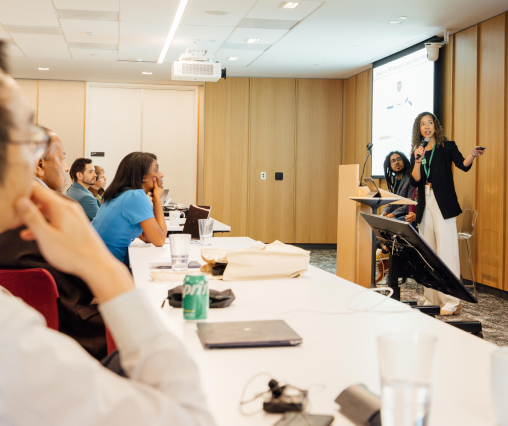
(196, 289)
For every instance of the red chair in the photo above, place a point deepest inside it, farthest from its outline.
(37, 288)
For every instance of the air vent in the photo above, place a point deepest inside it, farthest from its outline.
(270, 24)
(22, 29)
(87, 15)
(197, 69)
(97, 46)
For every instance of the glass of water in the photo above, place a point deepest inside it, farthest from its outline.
(179, 246)
(406, 361)
(206, 231)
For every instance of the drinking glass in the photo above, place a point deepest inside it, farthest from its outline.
(206, 231)
(179, 246)
(406, 361)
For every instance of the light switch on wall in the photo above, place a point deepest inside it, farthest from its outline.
(263, 175)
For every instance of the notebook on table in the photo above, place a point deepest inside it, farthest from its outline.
(247, 334)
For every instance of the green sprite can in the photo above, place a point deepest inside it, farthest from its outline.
(195, 297)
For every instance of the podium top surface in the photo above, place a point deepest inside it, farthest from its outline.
(374, 202)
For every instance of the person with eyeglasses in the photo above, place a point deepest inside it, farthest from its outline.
(397, 169)
(438, 207)
(45, 376)
(78, 314)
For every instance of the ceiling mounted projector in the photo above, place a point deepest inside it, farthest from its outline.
(194, 65)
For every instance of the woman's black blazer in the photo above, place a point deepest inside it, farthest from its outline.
(441, 177)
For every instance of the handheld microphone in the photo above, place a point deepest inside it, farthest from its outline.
(424, 144)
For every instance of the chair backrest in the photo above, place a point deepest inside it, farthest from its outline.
(468, 222)
(37, 288)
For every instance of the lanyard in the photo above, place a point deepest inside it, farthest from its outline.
(424, 162)
(395, 185)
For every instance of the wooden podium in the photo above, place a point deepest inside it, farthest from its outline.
(354, 235)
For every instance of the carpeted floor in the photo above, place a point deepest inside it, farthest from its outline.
(492, 311)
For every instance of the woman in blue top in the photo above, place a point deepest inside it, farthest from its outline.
(128, 212)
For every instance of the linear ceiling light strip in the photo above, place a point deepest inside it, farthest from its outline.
(172, 30)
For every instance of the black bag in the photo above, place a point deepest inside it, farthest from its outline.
(218, 299)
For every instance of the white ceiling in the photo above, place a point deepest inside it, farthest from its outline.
(318, 39)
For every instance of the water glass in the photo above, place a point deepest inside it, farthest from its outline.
(406, 361)
(206, 231)
(499, 379)
(179, 246)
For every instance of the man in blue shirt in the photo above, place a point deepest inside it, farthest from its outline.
(83, 175)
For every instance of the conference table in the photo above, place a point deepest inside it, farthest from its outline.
(338, 349)
(217, 226)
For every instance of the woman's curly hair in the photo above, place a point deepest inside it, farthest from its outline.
(417, 138)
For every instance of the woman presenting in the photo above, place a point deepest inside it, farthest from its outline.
(438, 206)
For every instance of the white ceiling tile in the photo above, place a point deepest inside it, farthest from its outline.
(211, 38)
(246, 57)
(138, 52)
(141, 41)
(236, 11)
(43, 49)
(265, 36)
(40, 9)
(13, 50)
(37, 37)
(32, 22)
(148, 11)
(102, 5)
(94, 54)
(269, 9)
(76, 31)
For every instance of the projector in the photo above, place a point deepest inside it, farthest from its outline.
(193, 65)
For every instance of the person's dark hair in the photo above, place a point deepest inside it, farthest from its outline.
(5, 117)
(130, 173)
(417, 138)
(79, 166)
(389, 174)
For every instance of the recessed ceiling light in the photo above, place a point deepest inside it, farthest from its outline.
(402, 17)
(44, 69)
(91, 33)
(252, 40)
(233, 58)
(217, 12)
(288, 5)
(147, 73)
(172, 30)
(394, 22)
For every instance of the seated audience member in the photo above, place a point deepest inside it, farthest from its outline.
(128, 212)
(397, 170)
(77, 316)
(97, 189)
(83, 175)
(45, 376)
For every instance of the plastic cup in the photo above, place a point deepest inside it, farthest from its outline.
(205, 231)
(179, 246)
(406, 363)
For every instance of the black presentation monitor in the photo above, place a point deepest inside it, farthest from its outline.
(417, 259)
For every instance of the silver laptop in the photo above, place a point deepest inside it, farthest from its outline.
(374, 190)
(165, 200)
(247, 334)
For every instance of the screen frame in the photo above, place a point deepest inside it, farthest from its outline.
(437, 82)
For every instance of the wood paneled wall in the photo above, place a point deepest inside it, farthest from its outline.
(226, 152)
(272, 150)
(286, 125)
(318, 155)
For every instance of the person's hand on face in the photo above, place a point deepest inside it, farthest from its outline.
(62, 231)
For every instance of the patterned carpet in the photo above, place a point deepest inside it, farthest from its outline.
(492, 311)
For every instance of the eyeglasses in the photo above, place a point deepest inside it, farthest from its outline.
(39, 141)
(396, 160)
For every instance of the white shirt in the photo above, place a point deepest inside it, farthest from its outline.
(43, 183)
(46, 378)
